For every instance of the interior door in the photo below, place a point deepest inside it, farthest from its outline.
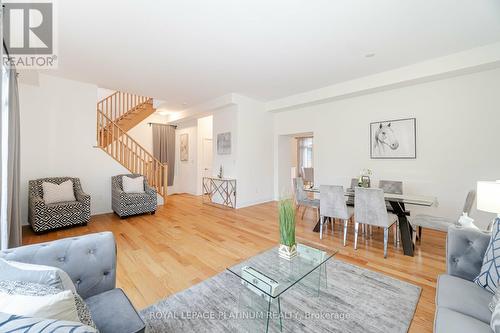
(207, 157)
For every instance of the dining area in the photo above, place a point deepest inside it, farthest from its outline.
(363, 207)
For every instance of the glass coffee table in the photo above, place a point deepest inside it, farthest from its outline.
(267, 276)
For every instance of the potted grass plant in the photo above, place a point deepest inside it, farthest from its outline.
(288, 245)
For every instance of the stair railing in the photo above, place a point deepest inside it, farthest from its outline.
(129, 153)
(116, 105)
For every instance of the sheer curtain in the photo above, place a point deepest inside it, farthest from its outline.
(164, 147)
(10, 221)
(304, 153)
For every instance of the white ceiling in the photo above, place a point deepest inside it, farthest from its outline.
(186, 52)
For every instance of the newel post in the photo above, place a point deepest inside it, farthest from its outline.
(165, 182)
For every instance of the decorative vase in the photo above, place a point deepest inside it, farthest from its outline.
(288, 252)
(288, 245)
(221, 174)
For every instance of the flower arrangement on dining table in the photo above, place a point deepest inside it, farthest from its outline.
(364, 178)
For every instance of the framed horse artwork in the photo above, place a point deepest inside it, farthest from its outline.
(393, 139)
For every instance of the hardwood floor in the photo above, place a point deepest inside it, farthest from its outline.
(187, 242)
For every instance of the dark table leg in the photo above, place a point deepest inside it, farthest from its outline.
(404, 227)
(316, 227)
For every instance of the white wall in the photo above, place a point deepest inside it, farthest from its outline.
(58, 135)
(143, 132)
(58, 132)
(254, 153)
(102, 93)
(226, 120)
(457, 138)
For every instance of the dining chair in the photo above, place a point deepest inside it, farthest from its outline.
(301, 198)
(438, 222)
(370, 209)
(354, 184)
(392, 187)
(333, 206)
(308, 174)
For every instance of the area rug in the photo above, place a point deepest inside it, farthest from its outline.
(352, 300)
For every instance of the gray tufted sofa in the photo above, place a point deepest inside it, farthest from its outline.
(90, 261)
(462, 305)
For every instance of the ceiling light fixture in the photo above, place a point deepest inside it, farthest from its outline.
(369, 55)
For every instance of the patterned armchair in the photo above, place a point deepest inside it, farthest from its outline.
(127, 204)
(44, 217)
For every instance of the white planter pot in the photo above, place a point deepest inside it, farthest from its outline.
(288, 252)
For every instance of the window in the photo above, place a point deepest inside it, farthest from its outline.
(305, 153)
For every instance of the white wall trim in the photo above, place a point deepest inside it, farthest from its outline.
(466, 62)
(253, 203)
(202, 110)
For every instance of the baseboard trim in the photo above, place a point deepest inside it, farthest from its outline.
(254, 203)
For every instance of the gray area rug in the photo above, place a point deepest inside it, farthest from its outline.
(352, 300)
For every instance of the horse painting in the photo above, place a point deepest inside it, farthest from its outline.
(393, 139)
(385, 140)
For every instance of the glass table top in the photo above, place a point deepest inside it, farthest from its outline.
(273, 275)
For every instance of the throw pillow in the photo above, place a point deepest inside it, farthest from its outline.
(489, 275)
(15, 323)
(48, 277)
(494, 300)
(35, 289)
(133, 185)
(58, 306)
(67, 283)
(495, 319)
(53, 193)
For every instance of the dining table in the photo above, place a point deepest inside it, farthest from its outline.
(397, 202)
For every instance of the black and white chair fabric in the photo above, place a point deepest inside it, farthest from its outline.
(44, 217)
(127, 204)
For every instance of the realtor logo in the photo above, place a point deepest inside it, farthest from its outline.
(28, 30)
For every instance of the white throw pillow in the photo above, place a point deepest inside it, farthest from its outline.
(58, 306)
(53, 193)
(66, 282)
(133, 185)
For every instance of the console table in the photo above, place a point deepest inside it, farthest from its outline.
(220, 191)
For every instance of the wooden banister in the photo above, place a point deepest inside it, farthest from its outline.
(118, 104)
(122, 147)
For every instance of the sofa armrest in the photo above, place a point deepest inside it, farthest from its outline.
(149, 190)
(82, 197)
(36, 206)
(465, 249)
(89, 260)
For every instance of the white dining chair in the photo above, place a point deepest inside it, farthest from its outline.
(439, 222)
(333, 205)
(308, 174)
(392, 187)
(301, 199)
(370, 209)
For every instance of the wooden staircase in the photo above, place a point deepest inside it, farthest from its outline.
(117, 114)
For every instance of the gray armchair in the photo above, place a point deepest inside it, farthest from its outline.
(44, 217)
(127, 204)
(90, 262)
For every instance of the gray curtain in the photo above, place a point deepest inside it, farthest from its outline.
(10, 213)
(164, 147)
